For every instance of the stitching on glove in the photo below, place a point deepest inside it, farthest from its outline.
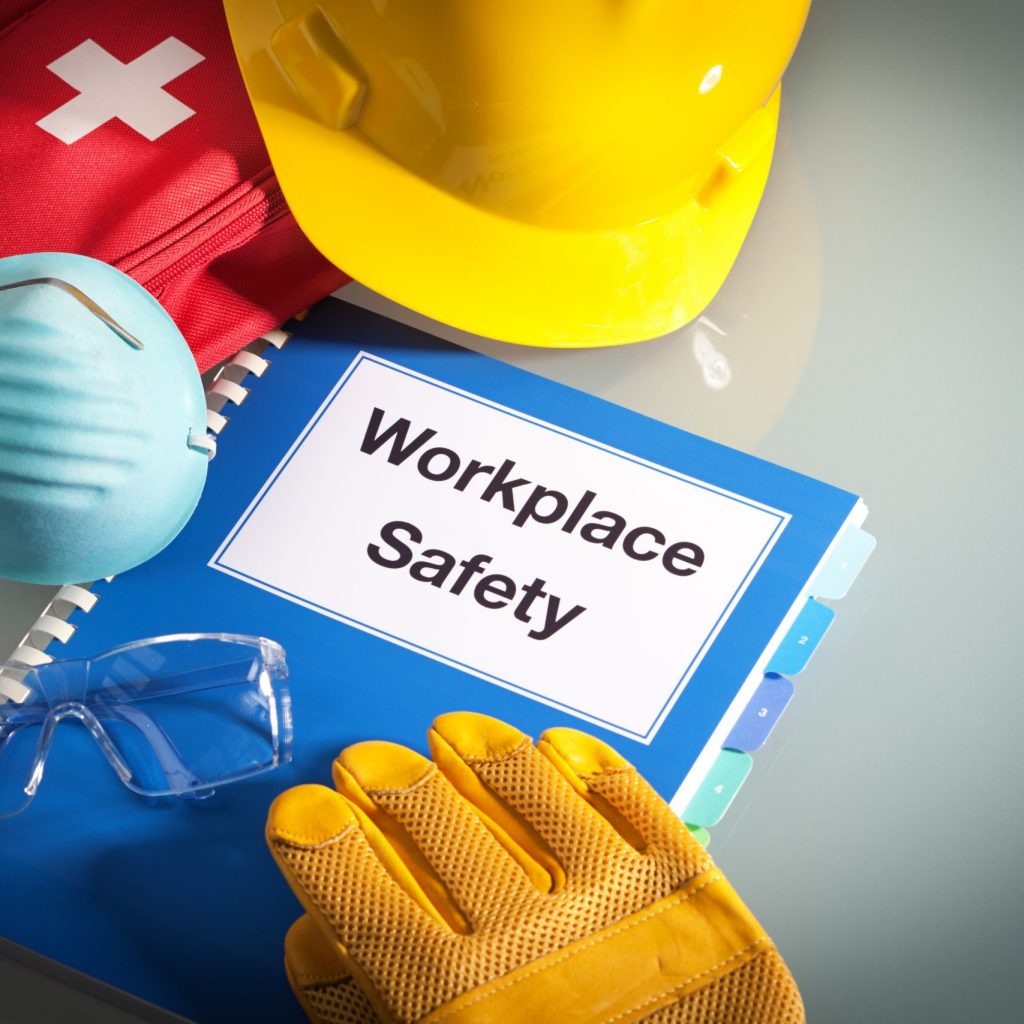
(325, 981)
(604, 936)
(498, 758)
(319, 980)
(688, 981)
(431, 771)
(621, 769)
(306, 842)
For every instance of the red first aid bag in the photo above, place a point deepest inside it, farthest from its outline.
(126, 134)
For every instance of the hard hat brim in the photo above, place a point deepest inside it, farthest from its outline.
(498, 277)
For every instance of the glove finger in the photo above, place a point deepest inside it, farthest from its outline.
(762, 986)
(446, 847)
(498, 769)
(610, 784)
(349, 882)
(323, 985)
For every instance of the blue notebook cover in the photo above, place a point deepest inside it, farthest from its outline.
(424, 529)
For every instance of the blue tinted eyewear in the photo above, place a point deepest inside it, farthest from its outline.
(174, 716)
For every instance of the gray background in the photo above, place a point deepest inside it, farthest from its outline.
(871, 337)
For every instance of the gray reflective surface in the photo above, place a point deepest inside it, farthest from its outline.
(870, 335)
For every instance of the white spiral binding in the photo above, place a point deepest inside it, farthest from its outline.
(53, 623)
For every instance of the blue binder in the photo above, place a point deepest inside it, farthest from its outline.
(178, 902)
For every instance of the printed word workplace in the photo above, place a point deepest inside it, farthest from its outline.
(401, 544)
(530, 502)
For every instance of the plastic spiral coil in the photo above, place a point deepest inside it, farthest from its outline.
(226, 389)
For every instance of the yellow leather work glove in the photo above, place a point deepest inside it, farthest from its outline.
(507, 883)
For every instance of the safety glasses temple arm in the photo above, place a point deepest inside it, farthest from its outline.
(174, 767)
(192, 680)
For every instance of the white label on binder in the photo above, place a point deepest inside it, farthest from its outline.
(538, 559)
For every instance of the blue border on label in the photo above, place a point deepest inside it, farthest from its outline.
(659, 717)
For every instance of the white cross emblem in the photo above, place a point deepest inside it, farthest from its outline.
(132, 92)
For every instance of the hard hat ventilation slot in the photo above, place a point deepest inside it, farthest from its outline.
(320, 69)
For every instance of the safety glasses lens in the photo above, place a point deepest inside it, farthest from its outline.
(190, 714)
(173, 716)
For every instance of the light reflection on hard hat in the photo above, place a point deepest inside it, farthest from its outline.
(731, 372)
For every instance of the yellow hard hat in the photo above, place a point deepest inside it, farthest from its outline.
(570, 173)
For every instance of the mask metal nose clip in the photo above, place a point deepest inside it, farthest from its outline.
(80, 296)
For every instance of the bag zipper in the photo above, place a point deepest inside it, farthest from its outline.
(254, 204)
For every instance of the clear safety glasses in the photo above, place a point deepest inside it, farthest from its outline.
(174, 716)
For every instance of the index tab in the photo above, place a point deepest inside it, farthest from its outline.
(842, 567)
(758, 719)
(802, 640)
(720, 786)
(701, 834)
